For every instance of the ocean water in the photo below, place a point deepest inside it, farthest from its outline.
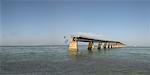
(58, 60)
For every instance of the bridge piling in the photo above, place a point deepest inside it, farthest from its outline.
(110, 45)
(90, 45)
(99, 45)
(106, 45)
(102, 45)
(73, 44)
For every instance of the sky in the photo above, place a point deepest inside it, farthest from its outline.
(46, 22)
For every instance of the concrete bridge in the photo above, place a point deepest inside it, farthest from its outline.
(102, 44)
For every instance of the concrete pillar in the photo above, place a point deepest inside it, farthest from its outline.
(114, 45)
(102, 45)
(73, 44)
(91, 45)
(105, 45)
(99, 45)
(109, 45)
(118, 45)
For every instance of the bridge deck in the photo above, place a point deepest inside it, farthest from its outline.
(101, 43)
(87, 39)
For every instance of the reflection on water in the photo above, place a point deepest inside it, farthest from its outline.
(58, 60)
(73, 54)
(85, 53)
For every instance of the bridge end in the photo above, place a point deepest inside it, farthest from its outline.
(73, 45)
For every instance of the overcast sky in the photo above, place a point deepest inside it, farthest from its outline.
(45, 22)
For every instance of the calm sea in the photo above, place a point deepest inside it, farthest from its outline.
(57, 60)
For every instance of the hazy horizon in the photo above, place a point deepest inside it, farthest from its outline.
(46, 22)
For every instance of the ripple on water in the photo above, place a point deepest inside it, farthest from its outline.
(56, 60)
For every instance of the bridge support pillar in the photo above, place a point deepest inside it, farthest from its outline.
(102, 45)
(114, 45)
(99, 45)
(109, 46)
(73, 46)
(117, 45)
(106, 45)
(91, 45)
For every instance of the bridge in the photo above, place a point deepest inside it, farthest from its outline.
(102, 44)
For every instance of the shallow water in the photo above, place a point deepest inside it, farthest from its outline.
(57, 60)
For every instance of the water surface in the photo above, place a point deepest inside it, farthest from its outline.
(57, 60)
